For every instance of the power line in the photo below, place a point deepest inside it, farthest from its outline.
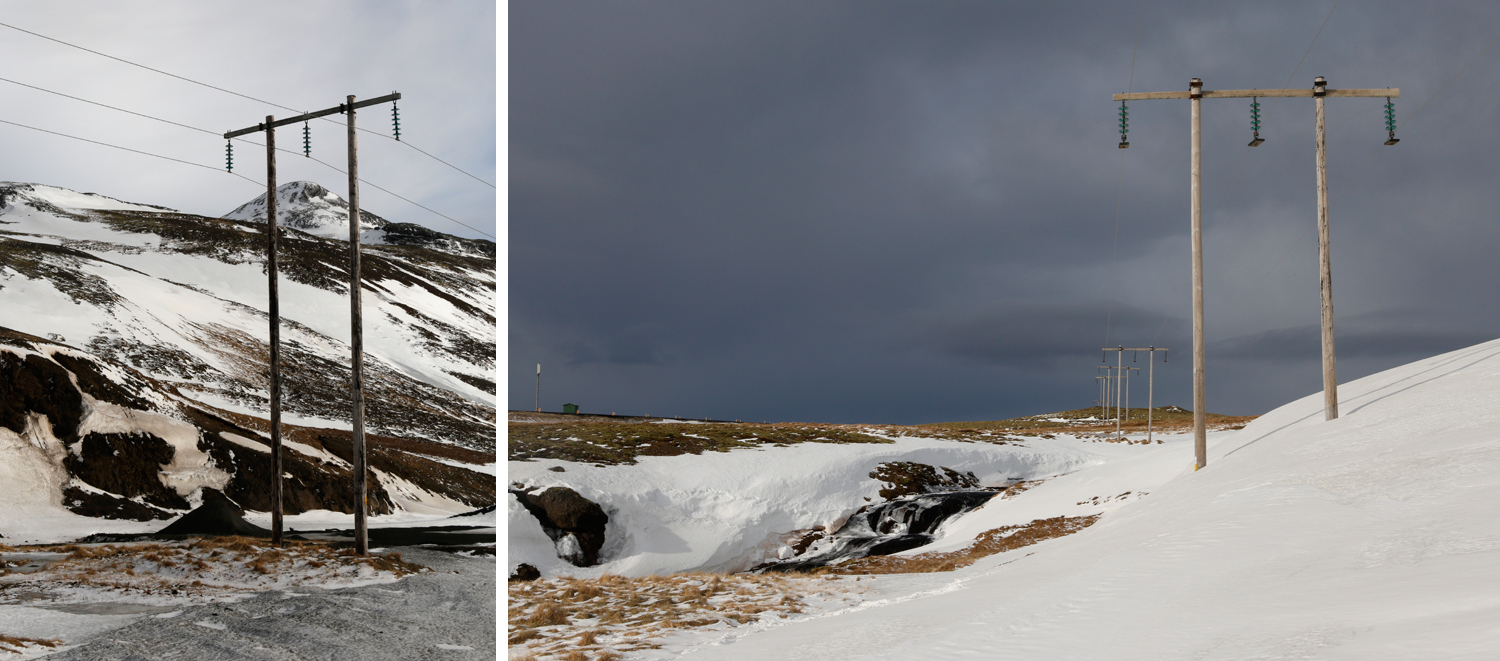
(202, 130)
(137, 151)
(1377, 148)
(1109, 316)
(243, 96)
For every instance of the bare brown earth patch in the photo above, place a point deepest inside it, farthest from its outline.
(999, 540)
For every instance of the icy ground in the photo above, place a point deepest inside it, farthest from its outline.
(447, 613)
(1371, 536)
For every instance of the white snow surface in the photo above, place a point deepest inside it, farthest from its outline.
(1370, 536)
(174, 300)
(729, 511)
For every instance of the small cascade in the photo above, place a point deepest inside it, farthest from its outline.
(890, 527)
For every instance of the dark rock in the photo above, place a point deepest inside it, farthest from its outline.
(93, 382)
(127, 465)
(557, 469)
(563, 512)
(38, 385)
(906, 478)
(106, 506)
(524, 572)
(216, 517)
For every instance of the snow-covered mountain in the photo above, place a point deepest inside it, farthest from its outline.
(306, 206)
(153, 323)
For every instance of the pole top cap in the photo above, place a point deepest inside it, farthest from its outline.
(1320, 81)
(1196, 82)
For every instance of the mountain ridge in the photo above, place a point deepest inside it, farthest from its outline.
(311, 208)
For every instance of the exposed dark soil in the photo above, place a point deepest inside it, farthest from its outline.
(35, 385)
(105, 506)
(126, 465)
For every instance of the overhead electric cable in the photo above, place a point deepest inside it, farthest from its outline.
(1376, 150)
(243, 96)
(202, 130)
(1109, 315)
(137, 151)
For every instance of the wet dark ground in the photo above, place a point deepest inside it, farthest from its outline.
(448, 613)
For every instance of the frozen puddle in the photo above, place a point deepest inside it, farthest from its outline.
(29, 563)
(48, 601)
(105, 608)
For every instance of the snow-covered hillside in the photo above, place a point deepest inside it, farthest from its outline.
(1370, 536)
(103, 296)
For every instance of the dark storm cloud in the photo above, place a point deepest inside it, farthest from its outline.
(1039, 335)
(898, 209)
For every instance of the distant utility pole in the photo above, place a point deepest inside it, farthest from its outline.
(538, 387)
(1150, 382)
(1195, 93)
(356, 335)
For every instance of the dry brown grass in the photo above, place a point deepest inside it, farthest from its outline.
(19, 644)
(207, 567)
(555, 617)
(989, 543)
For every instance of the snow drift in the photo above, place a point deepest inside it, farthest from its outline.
(1371, 536)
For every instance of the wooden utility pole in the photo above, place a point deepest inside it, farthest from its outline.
(538, 387)
(1200, 396)
(276, 506)
(356, 334)
(1196, 94)
(1150, 382)
(275, 313)
(1325, 267)
(357, 345)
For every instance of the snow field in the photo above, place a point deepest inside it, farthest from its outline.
(729, 511)
(1371, 536)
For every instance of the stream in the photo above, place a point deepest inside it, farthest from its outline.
(890, 527)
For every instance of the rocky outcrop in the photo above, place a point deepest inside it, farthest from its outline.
(574, 523)
(906, 478)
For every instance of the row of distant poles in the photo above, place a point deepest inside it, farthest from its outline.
(1196, 94)
(1114, 387)
(356, 323)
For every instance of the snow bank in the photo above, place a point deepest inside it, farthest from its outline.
(730, 510)
(1371, 536)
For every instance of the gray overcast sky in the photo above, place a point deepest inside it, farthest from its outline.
(906, 212)
(308, 55)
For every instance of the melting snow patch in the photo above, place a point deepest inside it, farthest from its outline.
(211, 625)
(460, 648)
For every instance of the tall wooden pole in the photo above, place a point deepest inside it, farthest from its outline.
(1150, 390)
(538, 387)
(1330, 372)
(357, 346)
(1119, 383)
(1200, 399)
(271, 274)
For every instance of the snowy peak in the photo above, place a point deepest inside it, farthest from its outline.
(50, 198)
(309, 207)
